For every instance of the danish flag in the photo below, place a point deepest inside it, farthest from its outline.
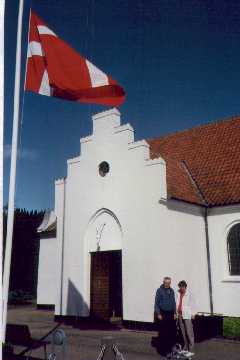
(55, 69)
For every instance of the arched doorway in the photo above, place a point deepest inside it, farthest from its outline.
(106, 285)
(104, 248)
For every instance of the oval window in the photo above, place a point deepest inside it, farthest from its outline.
(103, 168)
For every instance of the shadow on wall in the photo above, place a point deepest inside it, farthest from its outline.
(186, 208)
(78, 313)
(76, 306)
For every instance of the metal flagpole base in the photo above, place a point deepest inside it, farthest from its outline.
(58, 339)
(109, 350)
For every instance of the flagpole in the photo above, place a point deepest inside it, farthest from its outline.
(2, 11)
(10, 220)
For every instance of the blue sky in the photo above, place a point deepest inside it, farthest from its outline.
(177, 60)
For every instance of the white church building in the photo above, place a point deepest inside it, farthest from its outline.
(130, 212)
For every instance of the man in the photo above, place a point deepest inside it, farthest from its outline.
(165, 309)
(185, 313)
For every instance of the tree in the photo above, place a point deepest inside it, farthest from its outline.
(25, 249)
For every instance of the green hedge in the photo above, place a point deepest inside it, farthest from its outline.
(231, 327)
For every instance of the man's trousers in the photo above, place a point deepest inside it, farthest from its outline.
(167, 331)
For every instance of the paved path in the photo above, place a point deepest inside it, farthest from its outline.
(84, 344)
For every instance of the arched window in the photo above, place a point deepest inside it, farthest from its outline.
(233, 245)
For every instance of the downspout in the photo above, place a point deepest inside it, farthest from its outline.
(205, 216)
(206, 211)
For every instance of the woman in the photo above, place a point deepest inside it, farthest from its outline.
(185, 306)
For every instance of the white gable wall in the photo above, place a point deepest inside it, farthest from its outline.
(157, 238)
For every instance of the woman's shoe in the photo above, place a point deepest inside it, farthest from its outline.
(188, 354)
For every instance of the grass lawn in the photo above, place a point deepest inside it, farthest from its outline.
(231, 327)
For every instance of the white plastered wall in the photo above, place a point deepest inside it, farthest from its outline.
(158, 237)
(47, 272)
(226, 288)
(50, 266)
(171, 244)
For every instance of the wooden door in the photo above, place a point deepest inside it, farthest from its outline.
(100, 285)
(116, 284)
(106, 284)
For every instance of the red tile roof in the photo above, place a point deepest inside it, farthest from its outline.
(203, 163)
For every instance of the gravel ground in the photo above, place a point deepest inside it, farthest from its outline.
(84, 344)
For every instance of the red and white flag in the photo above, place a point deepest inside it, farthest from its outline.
(55, 69)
